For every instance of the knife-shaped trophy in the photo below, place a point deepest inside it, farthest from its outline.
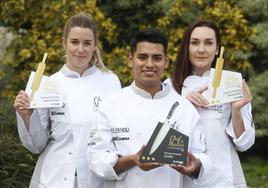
(38, 76)
(218, 72)
(166, 144)
(164, 129)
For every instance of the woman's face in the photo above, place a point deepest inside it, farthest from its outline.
(202, 49)
(79, 45)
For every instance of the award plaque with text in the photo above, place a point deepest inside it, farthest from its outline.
(229, 90)
(223, 86)
(166, 145)
(48, 93)
(43, 91)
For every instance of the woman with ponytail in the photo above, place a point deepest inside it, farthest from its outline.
(60, 135)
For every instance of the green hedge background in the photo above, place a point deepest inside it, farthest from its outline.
(30, 28)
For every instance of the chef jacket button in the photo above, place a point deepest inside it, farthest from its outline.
(65, 179)
(70, 153)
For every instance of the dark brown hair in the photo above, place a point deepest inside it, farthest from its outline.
(183, 66)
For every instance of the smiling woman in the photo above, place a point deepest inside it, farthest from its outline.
(80, 46)
(202, 50)
(60, 135)
(228, 127)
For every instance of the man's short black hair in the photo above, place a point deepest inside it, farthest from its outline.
(149, 35)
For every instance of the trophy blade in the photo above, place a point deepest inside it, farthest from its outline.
(160, 137)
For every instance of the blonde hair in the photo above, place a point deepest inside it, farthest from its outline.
(86, 21)
(97, 60)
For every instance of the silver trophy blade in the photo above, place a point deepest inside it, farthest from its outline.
(160, 136)
(163, 130)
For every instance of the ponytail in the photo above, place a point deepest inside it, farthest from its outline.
(97, 60)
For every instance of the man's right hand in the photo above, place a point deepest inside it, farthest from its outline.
(127, 162)
(145, 166)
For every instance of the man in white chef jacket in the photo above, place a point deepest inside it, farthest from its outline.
(127, 119)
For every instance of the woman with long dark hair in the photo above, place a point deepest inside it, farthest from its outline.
(229, 127)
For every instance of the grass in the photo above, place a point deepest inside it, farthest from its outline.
(256, 171)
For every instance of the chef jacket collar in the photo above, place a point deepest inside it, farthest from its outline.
(205, 74)
(160, 94)
(72, 74)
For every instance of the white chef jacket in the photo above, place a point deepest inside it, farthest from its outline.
(222, 142)
(61, 134)
(126, 120)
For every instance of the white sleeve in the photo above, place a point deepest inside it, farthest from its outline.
(35, 139)
(247, 139)
(102, 153)
(116, 85)
(198, 148)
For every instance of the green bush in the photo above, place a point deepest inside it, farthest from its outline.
(256, 172)
(16, 162)
(259, 89)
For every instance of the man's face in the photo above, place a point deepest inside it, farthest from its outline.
(148, 63)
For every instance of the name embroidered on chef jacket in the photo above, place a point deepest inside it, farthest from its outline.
(91, 144)
(117, 138)
(54, 113)
(216, 108)
(120, 130)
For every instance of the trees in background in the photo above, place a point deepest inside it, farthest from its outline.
(16, 162)
(259, 88)
(37, 27)
(256, 13)
(173, 17)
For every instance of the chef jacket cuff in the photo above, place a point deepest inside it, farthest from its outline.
(246, 139)
(205, 170)
(106, 170)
